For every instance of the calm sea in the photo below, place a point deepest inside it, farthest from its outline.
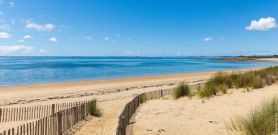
(34, 70)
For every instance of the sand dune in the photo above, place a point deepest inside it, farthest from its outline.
(196, 116)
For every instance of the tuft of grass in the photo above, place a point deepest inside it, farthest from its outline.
(208, 90)
(260, 121)
(181, 90)
(94, 110)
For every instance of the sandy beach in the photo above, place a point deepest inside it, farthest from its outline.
(268, 59)
(112, 95)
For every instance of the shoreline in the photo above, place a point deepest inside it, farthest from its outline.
(117, 80)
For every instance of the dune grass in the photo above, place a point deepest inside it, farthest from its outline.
(260, 121)
(221, 82)
(181, 90)
(94, 110)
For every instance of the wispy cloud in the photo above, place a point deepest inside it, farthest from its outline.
(39, 27)
(117, 35)
(88, 37)
(263, 24)
(107, 38)
(4, 35)
(11, 4)
(15, 49)
(42, 51)
(4, 25)
(208, 39)
(53, 39)
(27, 37)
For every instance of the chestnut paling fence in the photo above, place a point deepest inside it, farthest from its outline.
(54, 119)
(8, 114)
(131, 107)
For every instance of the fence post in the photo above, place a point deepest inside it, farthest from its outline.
(59, 114)
(53, 109)
(0, 114)
(276, 124)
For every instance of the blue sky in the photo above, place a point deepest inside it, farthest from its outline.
(138, 27)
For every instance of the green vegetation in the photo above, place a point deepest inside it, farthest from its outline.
(181, 90)
(94, 110)
(260, 121)
(221, 82)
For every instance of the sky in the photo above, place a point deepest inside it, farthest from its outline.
(138, 27)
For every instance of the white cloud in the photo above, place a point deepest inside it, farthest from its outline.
(27, 37)
(208, 39)
(263, 24)
(11, 4)
(4, 35)
(53, 39)
(136, 53)
(15, 49)
(39, 27)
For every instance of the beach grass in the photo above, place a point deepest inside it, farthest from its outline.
(221, 82)
(259, 121)
(94, 109)
(181, 90)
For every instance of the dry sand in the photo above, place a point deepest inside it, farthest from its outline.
(112, 95)
(196, 116)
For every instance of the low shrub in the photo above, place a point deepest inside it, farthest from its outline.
(181, 90)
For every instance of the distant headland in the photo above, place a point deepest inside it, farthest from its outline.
(273, 58)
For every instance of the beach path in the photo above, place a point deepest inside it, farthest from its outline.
(196, 116)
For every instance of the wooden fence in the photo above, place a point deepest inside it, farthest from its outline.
(57, 123)
(8, 114)
(131, 107)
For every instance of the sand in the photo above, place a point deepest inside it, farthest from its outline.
(112, 95)
(268, 59)
(197, 116)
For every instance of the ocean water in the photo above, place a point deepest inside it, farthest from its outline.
(36, 70)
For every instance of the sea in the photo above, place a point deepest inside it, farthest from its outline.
(27, 70)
